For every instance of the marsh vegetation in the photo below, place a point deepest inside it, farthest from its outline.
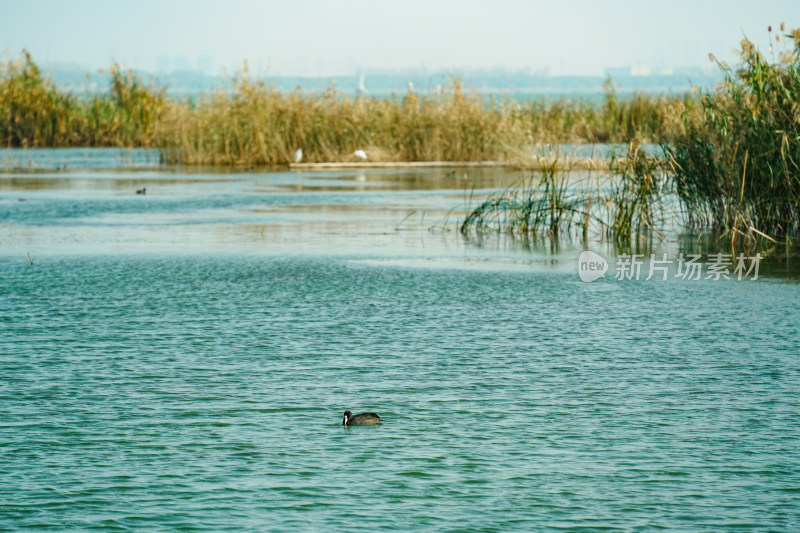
(728, 159)
(251, 123)
(731, 167)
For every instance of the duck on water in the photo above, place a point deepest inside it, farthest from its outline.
(363, 419)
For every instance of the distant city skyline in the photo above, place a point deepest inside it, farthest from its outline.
(577, 37)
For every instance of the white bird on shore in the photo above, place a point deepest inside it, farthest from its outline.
(298, 155)
(361, 154)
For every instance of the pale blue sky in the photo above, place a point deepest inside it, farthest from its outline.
(342, 37)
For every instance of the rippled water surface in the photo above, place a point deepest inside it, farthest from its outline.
(181, 361)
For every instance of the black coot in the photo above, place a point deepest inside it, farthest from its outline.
(364, 419)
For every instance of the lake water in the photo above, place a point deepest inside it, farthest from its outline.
(181, 360)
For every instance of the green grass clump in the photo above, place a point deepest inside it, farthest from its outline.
(737, 167)
(636, 200)
(626, 205)
(542, 206)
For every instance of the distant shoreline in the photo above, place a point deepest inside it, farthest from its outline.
(515, 85)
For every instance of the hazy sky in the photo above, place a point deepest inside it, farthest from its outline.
(342, 37)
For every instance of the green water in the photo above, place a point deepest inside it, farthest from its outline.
(181, 361)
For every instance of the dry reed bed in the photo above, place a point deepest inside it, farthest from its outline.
(254, 124)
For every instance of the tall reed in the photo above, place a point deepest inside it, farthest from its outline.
(737, 167)
(34, 113)
(637, 198)
(732, 166)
